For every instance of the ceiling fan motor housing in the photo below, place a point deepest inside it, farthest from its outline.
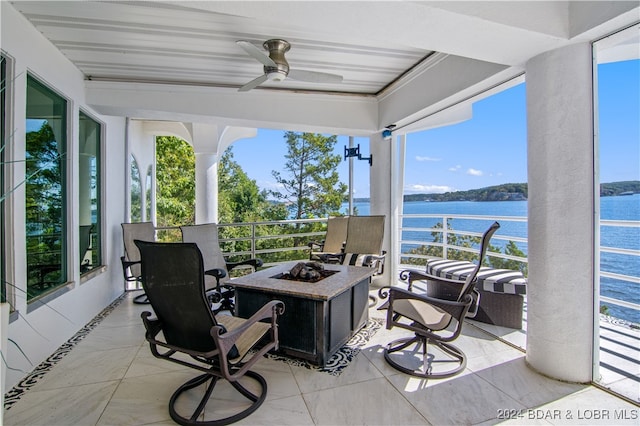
(277, 48)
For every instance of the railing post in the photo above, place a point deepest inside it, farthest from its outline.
(445, 236)
(253, 240)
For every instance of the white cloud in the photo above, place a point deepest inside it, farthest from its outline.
(427, 189)
(420, 158)
(270, 184)
(474, 172)
(455, 169)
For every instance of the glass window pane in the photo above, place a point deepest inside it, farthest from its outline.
(89, 187)
(136, 192)
(45, 188)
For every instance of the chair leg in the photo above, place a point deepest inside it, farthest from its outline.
(372, 300)
(256, 400)
(141, 299)
(426, 370)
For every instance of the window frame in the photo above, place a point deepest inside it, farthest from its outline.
(65, 282)
(98, 227)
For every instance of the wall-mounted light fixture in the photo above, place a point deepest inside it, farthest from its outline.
(386, 133)
(355, 152)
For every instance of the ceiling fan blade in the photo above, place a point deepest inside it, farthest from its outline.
(314, 76)
(256, 53)
(253, 83)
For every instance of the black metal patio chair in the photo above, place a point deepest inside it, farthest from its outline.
(435, 320)
(222, 347)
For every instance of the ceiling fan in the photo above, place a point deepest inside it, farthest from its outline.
(276, 67)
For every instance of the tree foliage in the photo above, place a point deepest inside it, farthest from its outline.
(310, 181)
(239, 197)
(240, 200)
(176, 182)
(44, 204)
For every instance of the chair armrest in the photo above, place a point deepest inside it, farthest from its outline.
(126, 264)
(443, 288)
(452, 307)
(216, 272)
(377, 261)
(317, 245)
(254, 263)
(411, 275)
(331, 257)
(153, 327)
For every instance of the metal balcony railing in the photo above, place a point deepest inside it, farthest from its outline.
(279, 241)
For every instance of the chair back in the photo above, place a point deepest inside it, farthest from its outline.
(467, 287)
(173, 280)
(336, 234)
(143, 231)
(365, 234)
(206, 237)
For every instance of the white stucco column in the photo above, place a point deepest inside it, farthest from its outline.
(206, 187)
(380, 190)
(561, 206)
(209, 143)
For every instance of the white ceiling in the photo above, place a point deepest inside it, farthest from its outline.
(376, 46)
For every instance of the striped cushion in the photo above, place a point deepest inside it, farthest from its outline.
(489, 279)
(355, 259)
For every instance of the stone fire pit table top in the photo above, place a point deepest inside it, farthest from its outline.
(324, 289)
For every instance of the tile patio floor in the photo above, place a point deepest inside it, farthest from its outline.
(111, 378)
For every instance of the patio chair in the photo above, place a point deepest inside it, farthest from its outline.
(223, 347)
(144, 231)
(333, 241)
(216, 267)
(436, 320)
(363, 246)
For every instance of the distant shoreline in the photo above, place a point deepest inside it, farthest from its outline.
(512, 192)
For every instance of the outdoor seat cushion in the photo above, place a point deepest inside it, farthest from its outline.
(355, 259)
(248, 339)
(427, 315)
(489, 279)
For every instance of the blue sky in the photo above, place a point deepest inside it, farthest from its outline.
(488, 149)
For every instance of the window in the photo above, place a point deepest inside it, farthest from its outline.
(147, 198)
(45, 189)
(3, 109)
(136, 192)
(89, 187)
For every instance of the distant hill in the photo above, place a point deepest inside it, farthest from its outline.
(504, 192)
(513, 192)
(617, 188)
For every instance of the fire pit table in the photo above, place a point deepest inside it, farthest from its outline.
(320, 317)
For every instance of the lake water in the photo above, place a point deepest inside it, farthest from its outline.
(611, 208)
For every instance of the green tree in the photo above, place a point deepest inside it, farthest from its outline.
(240, 201)
(239, 197)
(176, 181)
(512, 250)
(310, 184)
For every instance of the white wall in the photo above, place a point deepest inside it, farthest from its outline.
(40, 332)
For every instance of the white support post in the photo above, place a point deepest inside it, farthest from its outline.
(561, 206)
